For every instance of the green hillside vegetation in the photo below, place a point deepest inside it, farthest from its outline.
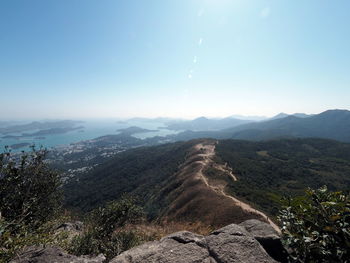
(142, 171)
(267, 171)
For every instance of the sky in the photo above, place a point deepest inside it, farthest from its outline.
(173, 58)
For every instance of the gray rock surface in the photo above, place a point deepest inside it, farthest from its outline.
(178, 247)
(229, 244)
(69, 226)
(39, 254)
(267, 236)
(259, 229)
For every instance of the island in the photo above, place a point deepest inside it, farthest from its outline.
(52, 131)
(134, 130)
(36, 125)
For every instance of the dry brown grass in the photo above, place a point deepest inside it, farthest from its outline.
(194, 201)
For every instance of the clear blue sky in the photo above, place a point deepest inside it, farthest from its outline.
(179, 58)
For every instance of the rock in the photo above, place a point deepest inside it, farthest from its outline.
(267, 237)
(40, 254)
(178, 247)
(76, 226)
(259, 229)
(71, 230)
(229, 244)
(242, 243)
(234, 244)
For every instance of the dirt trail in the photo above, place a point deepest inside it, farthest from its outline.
(207, 153)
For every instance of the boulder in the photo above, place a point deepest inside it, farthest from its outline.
(229, 244)
(178, 247)
(268, 237)
(40, 254)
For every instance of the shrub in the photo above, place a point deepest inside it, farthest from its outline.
(30, 192)
(30, 197)
(102, 235)
(316, 227)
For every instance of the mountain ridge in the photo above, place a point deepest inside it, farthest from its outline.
(331, 124)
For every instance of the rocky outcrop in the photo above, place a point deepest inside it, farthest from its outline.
(250, 242)
(232, 243)
(267, 236)
(39, 254)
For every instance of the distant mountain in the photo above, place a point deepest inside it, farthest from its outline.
(331, 124)
(279, 116)
(249, 118)
(284, 115)
(301, 115)
(205, 124)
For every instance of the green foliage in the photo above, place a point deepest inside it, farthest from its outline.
(103, 234)
(30, 192)
(30, 197)
(316, 227)
(268, 170)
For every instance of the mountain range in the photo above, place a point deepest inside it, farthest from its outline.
(331, 124)
(206, 124)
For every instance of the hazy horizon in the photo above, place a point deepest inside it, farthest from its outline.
(236, 116)
(178, 59)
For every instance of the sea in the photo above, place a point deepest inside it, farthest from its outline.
(92, 129)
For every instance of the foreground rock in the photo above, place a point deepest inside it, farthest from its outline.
(232, 243)
(267, 236)
(38, 254)
(242, 243)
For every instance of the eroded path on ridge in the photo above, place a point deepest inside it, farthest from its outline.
(206, 153)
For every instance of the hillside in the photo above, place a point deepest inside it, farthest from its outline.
(141, 171)
(332, 124)
(171, 182)
(266, 171)
(200, 180)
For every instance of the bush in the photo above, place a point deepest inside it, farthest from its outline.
(103, 234)
(316, 227)
(30, 192)
(30, 197)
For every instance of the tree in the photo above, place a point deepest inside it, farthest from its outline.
(316, 227)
